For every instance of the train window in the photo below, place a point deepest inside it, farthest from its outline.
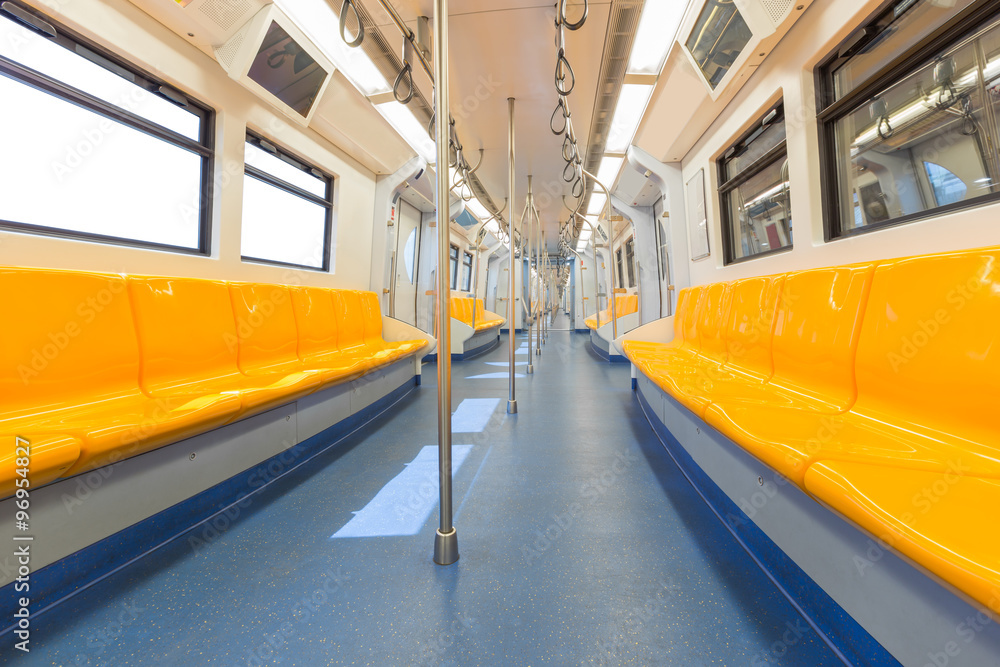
(454, 266)
(910, 129)
(630, 260)
(105, 152)
(756, 199)
(618, 263)
(467, 271)
(287, 208)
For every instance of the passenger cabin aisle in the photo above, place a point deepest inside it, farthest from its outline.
(582, 543)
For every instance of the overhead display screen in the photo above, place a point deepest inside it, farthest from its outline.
(287, 71)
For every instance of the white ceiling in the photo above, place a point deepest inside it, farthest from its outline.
(506, 48)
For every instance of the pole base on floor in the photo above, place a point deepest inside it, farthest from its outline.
(531, 369)
(538, 352)
(446, 547)
(512, 407)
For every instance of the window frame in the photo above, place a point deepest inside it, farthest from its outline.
(620, 264)
(204, 147)
(771, 156)
(630, 260)
(268, 146)
(453, 257)
(829, 110)
(466, 255)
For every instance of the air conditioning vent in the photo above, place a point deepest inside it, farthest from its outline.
(777, 10)
(205, 23)
(225, 13)
(227, 52)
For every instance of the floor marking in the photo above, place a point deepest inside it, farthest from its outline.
(493, 376)
(473, 414)
(403, 506)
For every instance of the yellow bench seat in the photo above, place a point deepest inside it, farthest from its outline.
(49, 457)
(865, 385)
(105, 366)
(934, 519)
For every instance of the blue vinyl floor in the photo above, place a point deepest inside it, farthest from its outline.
(581, 544)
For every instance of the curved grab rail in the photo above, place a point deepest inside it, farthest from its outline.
(356, 42)
(471, 171)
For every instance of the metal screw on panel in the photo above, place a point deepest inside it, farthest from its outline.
(192, 456)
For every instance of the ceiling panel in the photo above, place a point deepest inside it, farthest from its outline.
(507, 49)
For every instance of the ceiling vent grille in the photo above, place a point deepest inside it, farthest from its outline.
(777, 10)
(228, 51)
(225, 13)
(622, 25)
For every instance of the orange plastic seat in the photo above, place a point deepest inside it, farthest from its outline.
(926, 367)
(817, 325)
(351, 326)
(50, 456)
(268, 337)
(685, 344)
(316, 322)
(190, 346)
(71, 367)
(934, 519)
(688, 377)
(372, 313)
(485, 320)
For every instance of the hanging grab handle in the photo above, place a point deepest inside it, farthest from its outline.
(560, 106)
(343, 25)
(570, 169)
(562, 67)
(404, 74)
(565, 21)
(570, 146)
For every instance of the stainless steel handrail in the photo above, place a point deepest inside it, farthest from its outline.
(446, 538)
(511, 320)
(530, 208)
(611, 259)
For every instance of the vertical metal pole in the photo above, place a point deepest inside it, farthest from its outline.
(511, 312)
(597, 285)
(446, 539)
(531, 281)
(541, 288)
(611, 252)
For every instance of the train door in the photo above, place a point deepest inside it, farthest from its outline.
(406, 259)
(662, 232)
